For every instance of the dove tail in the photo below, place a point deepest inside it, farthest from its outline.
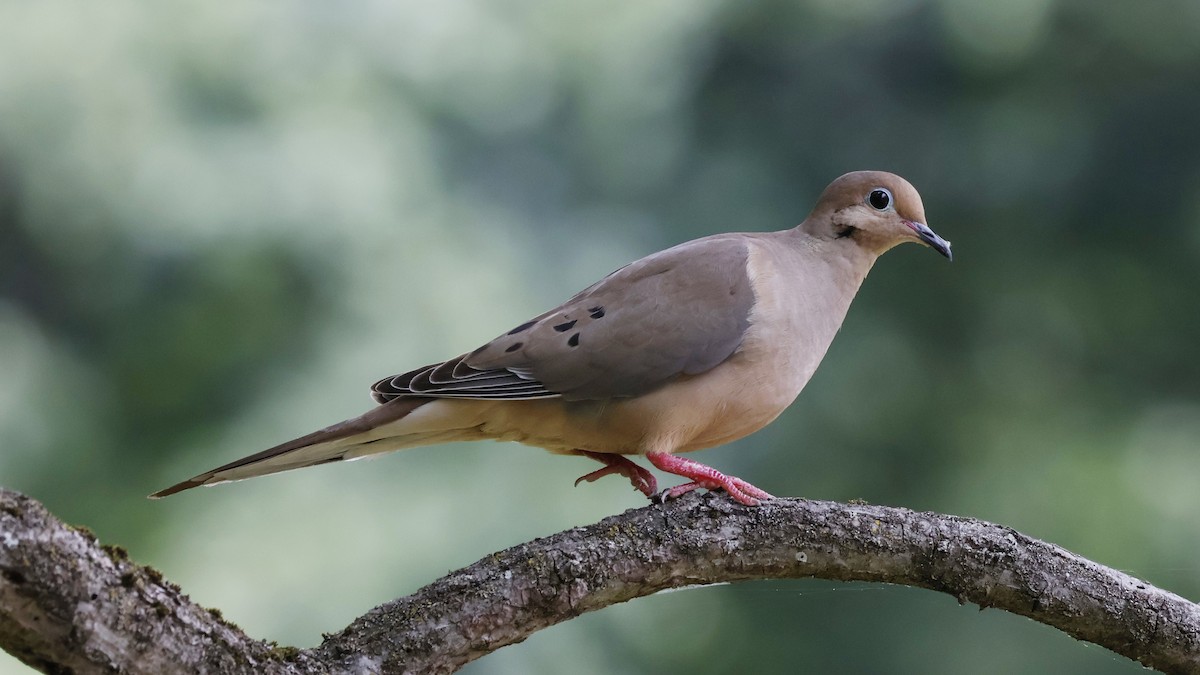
(350, 439)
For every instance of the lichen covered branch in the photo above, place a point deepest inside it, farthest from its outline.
(66, 602)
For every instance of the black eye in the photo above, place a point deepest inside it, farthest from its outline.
(879, 198)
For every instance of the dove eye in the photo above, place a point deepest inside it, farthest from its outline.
(879, 199)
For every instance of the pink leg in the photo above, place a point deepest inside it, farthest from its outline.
(705, 477)
(642, 480)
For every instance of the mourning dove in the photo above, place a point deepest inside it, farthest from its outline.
(688, 348)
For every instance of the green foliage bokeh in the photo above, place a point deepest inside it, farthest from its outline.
(220, 222)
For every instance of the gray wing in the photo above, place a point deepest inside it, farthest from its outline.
(679, 312)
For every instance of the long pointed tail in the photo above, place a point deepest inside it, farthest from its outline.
(330, 444)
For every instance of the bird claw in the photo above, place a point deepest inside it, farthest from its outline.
(701, 476)
(681, 490)
(595, 475)
(667, 494)
(705, 477)
(642, 480)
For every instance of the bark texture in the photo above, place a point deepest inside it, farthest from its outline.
(70, 605)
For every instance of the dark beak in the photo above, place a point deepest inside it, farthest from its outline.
(931, 239)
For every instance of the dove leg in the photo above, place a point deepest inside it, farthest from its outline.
(703, 476)
(642, 480)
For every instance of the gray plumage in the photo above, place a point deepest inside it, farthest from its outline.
(678, 312)
(692, 347)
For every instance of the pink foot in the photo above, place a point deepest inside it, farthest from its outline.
(705, 477)
(642, 480)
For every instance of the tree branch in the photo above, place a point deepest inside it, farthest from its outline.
(66, 603)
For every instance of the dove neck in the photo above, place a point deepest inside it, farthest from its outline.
(796, 322)
(839, 266)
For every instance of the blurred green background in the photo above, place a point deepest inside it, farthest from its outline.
(220, 222)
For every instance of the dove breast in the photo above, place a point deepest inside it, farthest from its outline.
(786, 333)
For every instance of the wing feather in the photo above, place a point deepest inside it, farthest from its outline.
(679, 312)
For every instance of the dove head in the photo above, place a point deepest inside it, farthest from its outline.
(873, 210)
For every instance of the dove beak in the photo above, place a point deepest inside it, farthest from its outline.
(930, 238)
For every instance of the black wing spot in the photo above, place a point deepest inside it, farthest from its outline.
(523, 327)
(573, 341)
(515, 346)
(596, 312)
(564, 327)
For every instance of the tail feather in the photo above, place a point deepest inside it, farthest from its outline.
(331, 444)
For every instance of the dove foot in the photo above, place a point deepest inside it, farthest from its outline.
(704, 477)
(643, 481)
